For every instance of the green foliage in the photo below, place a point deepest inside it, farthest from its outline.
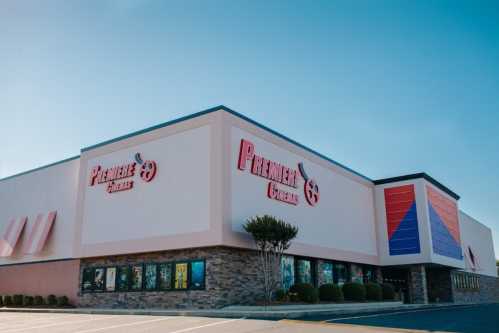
(373, 292)
(17, 300)
(354, 291)
(330, 293)
(281, 295)
(305, 292)
(62, 301)
(272, 237)
(270, 231)
(388, 292)
(51, 300)
(1, 301)
(7, 300)
(38, 300)
(27, 300)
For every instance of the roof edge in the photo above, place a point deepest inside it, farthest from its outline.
(423, 175)
(284, 137)
(234, 113)
(155, 127)
(40, 168)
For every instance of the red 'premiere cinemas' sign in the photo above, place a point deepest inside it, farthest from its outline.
(277, 174)
(120, 177)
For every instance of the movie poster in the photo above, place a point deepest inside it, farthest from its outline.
(88, 279)
(181, 276)
(341, 273)
(304, 271)
(197, 275)
(99, 279)
(110, 278)
(151, 276)
(327, 272)
(165, 276)
(123, 276)
(136, 283)
(287, 271)
(357, 275)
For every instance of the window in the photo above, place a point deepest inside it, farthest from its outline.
(151, 276)
(357, 274)
(165, 276)
(327, 272)
(304, 271)
(110, 278)
(99, 279)
(196, 280)
(181, 275)
(340, 273)
(287, 271)
(369, 273)
(185, 275)
(123, 278)
(136, 282)
(87, 279)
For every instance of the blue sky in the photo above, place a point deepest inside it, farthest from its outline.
(387, 88)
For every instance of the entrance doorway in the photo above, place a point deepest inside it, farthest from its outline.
(439, 284)
(398, 277)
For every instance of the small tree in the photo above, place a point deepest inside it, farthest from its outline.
(272, 237)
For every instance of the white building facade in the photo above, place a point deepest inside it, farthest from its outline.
(154, 219)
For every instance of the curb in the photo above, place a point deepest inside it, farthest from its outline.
(270, 315)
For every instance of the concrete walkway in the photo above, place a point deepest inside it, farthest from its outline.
(260, 312)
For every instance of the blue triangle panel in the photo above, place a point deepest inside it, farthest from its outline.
(405, 240)
(442, 241)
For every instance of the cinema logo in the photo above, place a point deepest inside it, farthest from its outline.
(120, 178)
(277, 174)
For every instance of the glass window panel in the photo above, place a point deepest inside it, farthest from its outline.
(123, 278)
(99, 279)
(340, 273)
(88, 279)
(303, 271)
(110, 278)
(136, 283)
(165, 276)
(287, 271)
(327, 272)
(369, 273)
(197, 275)
(181, 276)
(151, 276)
(357, 275)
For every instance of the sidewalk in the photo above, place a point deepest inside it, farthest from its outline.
(256, 312)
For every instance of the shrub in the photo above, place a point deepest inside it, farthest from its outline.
(1, 301)
(7, 300)
(330, 293)
(373, 292)
(305, 292)
(280, 295)
(62, 301)
(38, 300)
(51, 300)
(354, 291)
(27, 300)
(388, 291)
(17, 300)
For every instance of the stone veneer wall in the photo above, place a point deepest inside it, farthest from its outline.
(488, 291)
(232, 277)
(418, 292)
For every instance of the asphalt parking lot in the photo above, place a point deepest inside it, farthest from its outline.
(463, 319)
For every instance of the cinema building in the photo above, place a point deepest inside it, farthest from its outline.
(153, 219)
